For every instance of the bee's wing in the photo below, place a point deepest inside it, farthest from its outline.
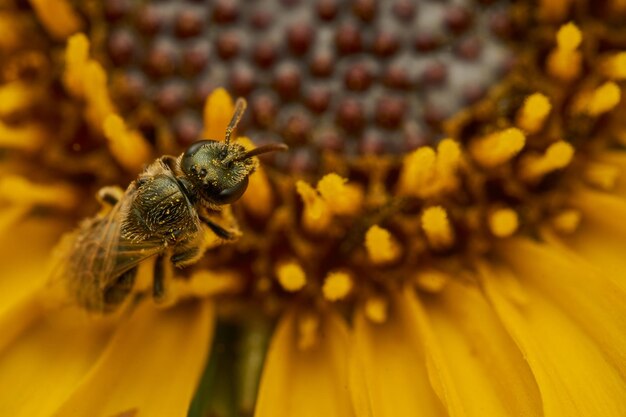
(95, 256)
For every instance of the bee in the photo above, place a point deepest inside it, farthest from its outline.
(160, 214)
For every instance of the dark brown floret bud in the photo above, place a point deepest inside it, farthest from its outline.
(318, 98)
(404, 10)
(228, 45)
(322, 64)
(115, 9)
(469, 48)
(187, 129)
(265, 53)
(287, 81)
(390, 111)
(297, 128)
(348, 39)
(161, 60)
(121, 46)
(195, 58)
(264, 109)
(358, 77)
(299, 37)
(458, 18)
(385, 44)
(434, 74)
(261, 19)
(149, 20)
(327, 9)
(364, 9)
(189, 23)
(171, 98)
(242, 81)
(350, 115)
(225, 11)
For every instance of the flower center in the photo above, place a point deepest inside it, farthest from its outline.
(359, 79)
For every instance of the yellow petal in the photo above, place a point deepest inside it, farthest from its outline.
(151, 366)
(572, 374)
(388, 375)
(259, 198)
(58, 17)
(486, 368)
(45, 364)
(24, 272)
(308, 382)
(218, 111)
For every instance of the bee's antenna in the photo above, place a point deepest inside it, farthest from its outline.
(240, 107)
(271, 147)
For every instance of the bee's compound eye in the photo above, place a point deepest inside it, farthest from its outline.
(230, 195)
(188, 163)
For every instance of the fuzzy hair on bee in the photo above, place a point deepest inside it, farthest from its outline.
(162, 213)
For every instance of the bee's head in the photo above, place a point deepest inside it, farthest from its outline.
(220, 170)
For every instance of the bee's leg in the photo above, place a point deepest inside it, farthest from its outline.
(170, 161)
(217, 229)
(115, 293)
(158, 283)
(109, 196)
(186, 256)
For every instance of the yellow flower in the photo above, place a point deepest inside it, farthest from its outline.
(482, 275)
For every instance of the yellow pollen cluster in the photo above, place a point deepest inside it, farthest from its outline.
(615, 67)
(376, 309)
(87, 79)
(604, 99)
(337, 286)
(498, 148)
(437, 228)
(503, 222)
(557, 156)
(334, 196)
(291, 276)
(533, 113)
(426, 173)
(58, 17)
(565, 61)
(381, 245)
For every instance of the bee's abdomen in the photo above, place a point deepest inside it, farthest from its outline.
(159, 210)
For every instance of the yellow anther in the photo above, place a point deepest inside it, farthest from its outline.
(437, 228)
(376, 309)
(557, 156)
(15, 97)
(448, 159)
(76, 57)
(567, 221)
(127, 146)
(533, 113)
(554, 10)
(601, 175)
(615, 66)
(498, 148)
(29, 137)
(291, 276)
(341, 197)
(308, 331)
(337, 286)
(569, 37)
(259, 198)
(604, 99)
(565, 61)
(205, 283)
(218, 111)
(381, 246)
(11, 31)
(58, 17)
(426, 173)
(316, 215)
(431, 280)
(503, 222)
(417, 171)
(20, 191)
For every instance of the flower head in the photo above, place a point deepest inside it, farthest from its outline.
(443, 237)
